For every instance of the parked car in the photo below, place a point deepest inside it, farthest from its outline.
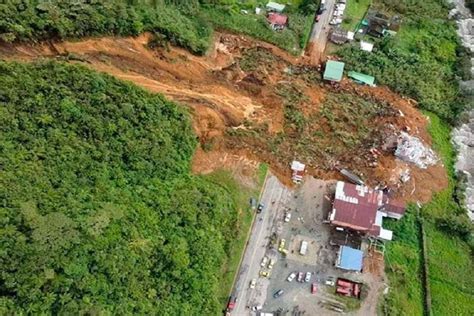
(231, 303)
(318, 18)
(260, 207)
(330, 281)
(253, 283)
(278, 293)
(264, 274)
(291, 277)
(307, 277)
(287, 217)
(264, 261)
(282, 245)
(257, 308)
(313, 288)
(300, 277)
(271, 263)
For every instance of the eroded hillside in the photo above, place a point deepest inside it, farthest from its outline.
(253, 102)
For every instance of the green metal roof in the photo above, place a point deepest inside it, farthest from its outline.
(333, 71)
(368, 80)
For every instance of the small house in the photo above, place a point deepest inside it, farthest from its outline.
(277, 21)
(275, 7)
(334, 70)
(362, 78)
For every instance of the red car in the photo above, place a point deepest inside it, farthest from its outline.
(313, 288)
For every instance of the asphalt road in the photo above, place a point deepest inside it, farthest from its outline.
(319, 34)
(275, 192)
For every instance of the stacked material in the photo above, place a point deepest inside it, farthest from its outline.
(412, 149)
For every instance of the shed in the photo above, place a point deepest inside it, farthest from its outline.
(350, 259)
(274, 6)
(362, 78)
(333, 71)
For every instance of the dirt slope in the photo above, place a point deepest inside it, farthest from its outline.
(243, 96)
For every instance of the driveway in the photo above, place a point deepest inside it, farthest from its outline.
(319, 34)
(274, 198)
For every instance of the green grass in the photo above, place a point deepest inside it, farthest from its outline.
(403, 267)
(355, 11)
(241, 195)
(450, 274)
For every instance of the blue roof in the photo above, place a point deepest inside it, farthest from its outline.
(350, 259)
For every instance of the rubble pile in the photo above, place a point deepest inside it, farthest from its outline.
(412, 149)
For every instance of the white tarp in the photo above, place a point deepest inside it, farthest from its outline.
(366, 46)
(297, 166)
(412, 149)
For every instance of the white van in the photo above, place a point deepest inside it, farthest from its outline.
(303, 247)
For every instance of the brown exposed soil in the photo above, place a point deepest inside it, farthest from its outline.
(238, 94)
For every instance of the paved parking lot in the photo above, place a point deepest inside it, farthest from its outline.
(309, 205)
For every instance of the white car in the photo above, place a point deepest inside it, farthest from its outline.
(271, 263)
(264, 261)
(291, 277)
(330, 281)
(253, 283)
(307, 277)
(287, 217)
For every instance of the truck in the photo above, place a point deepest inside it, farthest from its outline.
(303, 247)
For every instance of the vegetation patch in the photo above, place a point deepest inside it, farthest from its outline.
(100, 214)
(354, 13)
(241, 194)
(425, 47)
(188, 24)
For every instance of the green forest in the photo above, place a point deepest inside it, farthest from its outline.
(187, 23)
(99, 212)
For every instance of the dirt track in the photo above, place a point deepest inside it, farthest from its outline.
(223, 97)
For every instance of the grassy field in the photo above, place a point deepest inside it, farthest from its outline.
(355, 11)
(241, 195)
(403, 267)
(450, 275)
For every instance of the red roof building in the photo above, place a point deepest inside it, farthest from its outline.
(277, 20)
(362, 209)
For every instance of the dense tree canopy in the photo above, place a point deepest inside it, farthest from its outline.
(99, 213)
(59, 19)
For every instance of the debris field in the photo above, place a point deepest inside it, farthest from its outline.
(252, 102)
